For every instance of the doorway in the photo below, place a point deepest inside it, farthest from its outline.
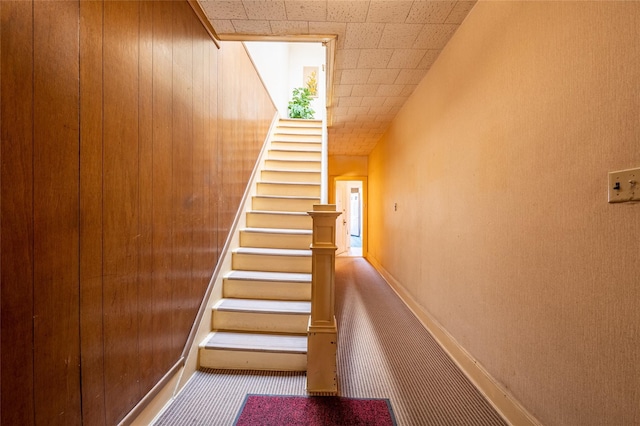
(351, 224)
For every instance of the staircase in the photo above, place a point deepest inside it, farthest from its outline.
(261, 321)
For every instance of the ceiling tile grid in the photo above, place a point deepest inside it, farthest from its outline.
(383, 50)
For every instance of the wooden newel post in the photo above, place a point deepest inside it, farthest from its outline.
(323, 331)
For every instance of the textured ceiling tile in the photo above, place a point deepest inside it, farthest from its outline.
(347, 11)
(342, 90)
(224, 9)
(374, 58)
(372, 101)
(327, 28)
(389, 90)
(363, 36)
(408, 89)
(306, 10)
(410, 76)
(355, 76)
(223, 26)
(430, 12)
(340, 110)
(350, 101)
(361, 110)
(395, 101)
(270, 10)
(382, 76)
(378, 110)
(428, 59)
(399, 35)
(347, 58)
(388, 11)
(459, 12)
(405, 58)
(289, 27)
(364, 89)
(434, 36)
(252, 27)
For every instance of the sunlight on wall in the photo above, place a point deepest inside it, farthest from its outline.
(281, 67)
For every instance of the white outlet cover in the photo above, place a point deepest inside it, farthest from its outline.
(624, 186)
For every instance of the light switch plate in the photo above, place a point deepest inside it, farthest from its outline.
(624, 185)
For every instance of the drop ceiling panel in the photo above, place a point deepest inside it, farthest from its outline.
(388, 11)
(306, 10)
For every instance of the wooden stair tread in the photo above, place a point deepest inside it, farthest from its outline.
(272, 251)
(289, 183)
(291, 171)
(293, 160)
(278, 212)
(256, 342)
(288, 197)
(278, 231)
(264, 306)
(269, 276)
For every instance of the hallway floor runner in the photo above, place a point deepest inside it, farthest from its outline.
(277, 410)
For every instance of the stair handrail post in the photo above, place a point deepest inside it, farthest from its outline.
(324, 165)
(322, 333)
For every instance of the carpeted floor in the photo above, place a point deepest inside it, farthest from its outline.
(383, 352)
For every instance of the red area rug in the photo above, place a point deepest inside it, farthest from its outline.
(272, 410)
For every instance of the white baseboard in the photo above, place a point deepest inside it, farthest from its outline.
(506, 405)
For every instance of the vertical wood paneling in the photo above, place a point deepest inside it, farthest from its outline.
(200, 230)
(56, 202)
(182, 187)
(111, 196)
(91, 279)
(245, 120)
(17, 214)
(163, 355)
(120, 207)
(213, 142)
(145, 130)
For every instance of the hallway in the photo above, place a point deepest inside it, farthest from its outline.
(423, 384)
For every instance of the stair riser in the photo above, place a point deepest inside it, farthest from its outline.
(267, 240)
(250, 289)
(269, 263)
(292, 165)
(260, 322)
(283, 204)
(294, 155)
(246, 360)
(278, 221)
(303, 190)
(297, 146)
(290, 176)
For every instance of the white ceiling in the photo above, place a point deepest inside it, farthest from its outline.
(383, 49)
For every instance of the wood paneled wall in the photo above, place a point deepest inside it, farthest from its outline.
(128, 139)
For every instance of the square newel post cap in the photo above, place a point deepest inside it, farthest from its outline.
(324, 207)
(324, 226)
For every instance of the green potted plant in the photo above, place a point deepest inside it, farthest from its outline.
(299, 106)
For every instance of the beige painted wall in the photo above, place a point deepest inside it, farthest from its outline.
(348, 165)
(503, 233)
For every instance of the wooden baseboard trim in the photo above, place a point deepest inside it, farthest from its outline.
(506, 405)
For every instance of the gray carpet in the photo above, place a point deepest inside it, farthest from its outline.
(383, 352)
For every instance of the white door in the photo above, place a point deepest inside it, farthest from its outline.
(354, 229)
(342, 222)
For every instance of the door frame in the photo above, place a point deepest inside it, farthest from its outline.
(365, 211)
